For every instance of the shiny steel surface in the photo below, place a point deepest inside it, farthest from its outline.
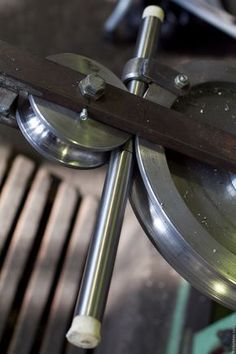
(102, 252)
(121, 9)
(100, 261)
(59, 133)
(50, 144)
(188, 208)
(145, 48)
(91, 135)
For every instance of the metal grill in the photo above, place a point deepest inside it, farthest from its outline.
(45, 227)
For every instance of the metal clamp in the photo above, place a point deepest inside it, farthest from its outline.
(150, 71)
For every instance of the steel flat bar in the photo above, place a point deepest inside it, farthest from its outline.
(26, 73)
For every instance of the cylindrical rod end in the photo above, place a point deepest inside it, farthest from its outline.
(154, 11)
(85, 332)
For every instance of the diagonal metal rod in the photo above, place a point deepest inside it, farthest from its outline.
(85, 329)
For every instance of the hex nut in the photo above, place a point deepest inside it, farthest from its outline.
(181, 81)
(92, 86)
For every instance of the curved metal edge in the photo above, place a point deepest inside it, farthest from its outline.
(85, 160)
(219, 289)
(181, 258)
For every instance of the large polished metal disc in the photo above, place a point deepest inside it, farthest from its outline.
(59, 133)
(188, 208)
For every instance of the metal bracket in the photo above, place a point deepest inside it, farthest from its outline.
(151, 71)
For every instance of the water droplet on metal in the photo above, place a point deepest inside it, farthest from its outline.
(227, 107)
(84, 114)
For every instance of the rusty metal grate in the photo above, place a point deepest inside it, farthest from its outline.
(45, 227)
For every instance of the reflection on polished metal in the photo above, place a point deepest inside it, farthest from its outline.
(51, 145)
(85, 329)
(188, 208)
(60, 134)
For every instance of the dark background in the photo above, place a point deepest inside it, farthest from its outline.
(49, 27)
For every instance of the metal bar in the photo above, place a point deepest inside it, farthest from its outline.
(85, 329)
(212, 14)
(118, 14)
(67, 288)
(149, 120)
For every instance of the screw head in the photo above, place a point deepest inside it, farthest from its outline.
(92, 86)
(181, 81)
(84, 114)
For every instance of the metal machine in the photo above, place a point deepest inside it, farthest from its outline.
(82, 118)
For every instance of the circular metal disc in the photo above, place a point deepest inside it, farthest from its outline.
(188, 208)
(59, 133)
(49, 144)
(87, 134)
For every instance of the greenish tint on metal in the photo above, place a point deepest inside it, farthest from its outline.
(206, 340)
(176, 332)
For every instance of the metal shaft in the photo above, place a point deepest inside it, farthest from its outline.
(146, 47)
(85, 329)
(102, 252)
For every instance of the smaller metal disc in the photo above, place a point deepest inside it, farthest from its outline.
(52, 146)
(88, 134)
(59, 133)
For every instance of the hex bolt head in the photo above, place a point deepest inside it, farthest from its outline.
(92, 86)
(181, 81)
